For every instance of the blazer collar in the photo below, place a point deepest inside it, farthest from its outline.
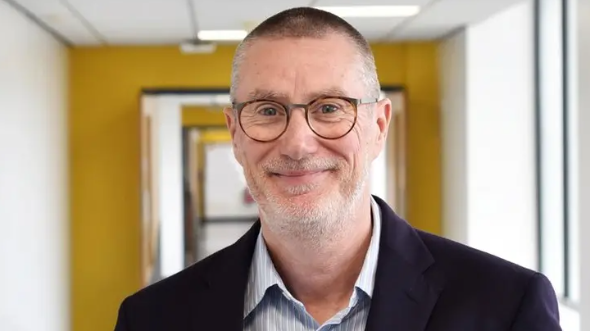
(221, 305)
(407, 283)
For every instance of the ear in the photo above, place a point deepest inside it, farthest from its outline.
(382, 119)
(232, 125)
(230, 120)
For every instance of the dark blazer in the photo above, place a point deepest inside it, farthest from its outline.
(423, 283)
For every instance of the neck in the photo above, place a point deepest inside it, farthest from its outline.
(323, 274)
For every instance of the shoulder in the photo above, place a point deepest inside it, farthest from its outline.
(471, 266)
(177, 289)
(452, 254)
(167, 303)
(188, 293)
(484, 282)
(185, 284)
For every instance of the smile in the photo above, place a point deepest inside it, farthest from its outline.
(300, 177)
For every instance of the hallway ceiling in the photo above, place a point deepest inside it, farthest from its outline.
(167, 22)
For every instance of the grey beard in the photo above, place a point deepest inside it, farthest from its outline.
(314, 226)
(310, 225)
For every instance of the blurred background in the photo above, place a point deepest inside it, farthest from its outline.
(116, 168)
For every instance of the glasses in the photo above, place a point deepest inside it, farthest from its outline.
(328, 117)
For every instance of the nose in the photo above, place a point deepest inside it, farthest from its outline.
(298, 142)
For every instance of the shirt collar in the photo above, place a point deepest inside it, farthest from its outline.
(366, 279)
(263, 274)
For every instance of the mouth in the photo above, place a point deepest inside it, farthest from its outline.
(299, 177)
(296, 173)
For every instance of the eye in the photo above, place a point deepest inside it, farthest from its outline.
(268, 111)
(328, 108)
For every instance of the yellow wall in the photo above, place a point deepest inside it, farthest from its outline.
(203, 116)
(105, 150)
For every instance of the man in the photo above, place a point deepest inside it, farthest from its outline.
(306, 123)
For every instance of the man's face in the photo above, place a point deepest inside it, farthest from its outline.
(301, 181)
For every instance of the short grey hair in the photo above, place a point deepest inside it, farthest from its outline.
(307, 22)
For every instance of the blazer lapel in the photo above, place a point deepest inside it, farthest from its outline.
(407, 284)
(226, 277)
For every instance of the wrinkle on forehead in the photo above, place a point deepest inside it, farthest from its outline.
(299, 69)
(260, 93)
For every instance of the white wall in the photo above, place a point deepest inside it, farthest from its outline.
(168, 153)
(454, 135)
(34, 250)
(488, 136)
(378, 176)
(500, 135)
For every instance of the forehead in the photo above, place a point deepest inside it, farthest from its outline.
(300, 68)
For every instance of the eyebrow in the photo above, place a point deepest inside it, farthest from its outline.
(266, 94)
(273, 95)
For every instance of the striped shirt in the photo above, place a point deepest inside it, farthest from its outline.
(269, 306)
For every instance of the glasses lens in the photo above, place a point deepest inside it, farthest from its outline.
(332, 117)
(263, 120)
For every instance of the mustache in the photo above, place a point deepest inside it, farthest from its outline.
(287, 164)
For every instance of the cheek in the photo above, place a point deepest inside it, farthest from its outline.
(348, 150)
(360, 150)
(356, 142)
(365, 135)
(251, 154)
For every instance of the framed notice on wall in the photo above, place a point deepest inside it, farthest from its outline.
(225, 185)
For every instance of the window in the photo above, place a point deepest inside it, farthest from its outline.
(555, 158)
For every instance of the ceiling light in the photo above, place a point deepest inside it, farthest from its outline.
(373, 11)
(222, 35)
(201, 47)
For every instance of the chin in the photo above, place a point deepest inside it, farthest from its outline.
(309, 220)
(301, 211)
(303, 201)
(302, 193)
